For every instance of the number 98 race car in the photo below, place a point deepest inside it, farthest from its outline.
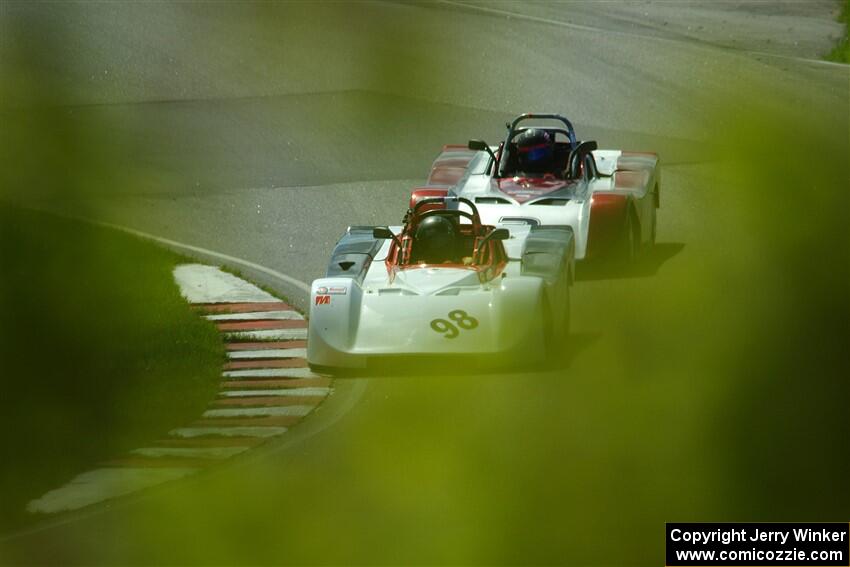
(444, 284)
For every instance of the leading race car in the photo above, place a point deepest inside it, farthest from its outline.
(542, 175)
(438, 286)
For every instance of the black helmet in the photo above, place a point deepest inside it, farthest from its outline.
(436, 240)
(534, 148)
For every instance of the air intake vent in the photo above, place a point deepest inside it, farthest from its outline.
(491, 201)
(395, 291)
(519, 220)
(450, 291)
(552, 202)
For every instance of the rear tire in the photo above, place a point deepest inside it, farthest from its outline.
(654, 223)
(550, 346)
(625, 252)
(568, 312)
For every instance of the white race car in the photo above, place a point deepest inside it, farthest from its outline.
(542, 175)
(442, 284)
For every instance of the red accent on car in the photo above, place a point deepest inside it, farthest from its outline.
(323, 300)
(526, 188)
(607, 218)
(423, 193)
(631, 180)
(487, 272)
(639, 154)
(526, 149)
(451, 161)
(450, 165)
(446, 175)
(492, 258)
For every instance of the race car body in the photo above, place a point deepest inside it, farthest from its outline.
(608, 197)
(503, 292)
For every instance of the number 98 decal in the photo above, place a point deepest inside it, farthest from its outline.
(459, 319)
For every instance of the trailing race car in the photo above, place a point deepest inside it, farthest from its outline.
(542, 175)
(439, 286)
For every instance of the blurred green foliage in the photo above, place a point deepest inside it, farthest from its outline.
(100, 352)
(712, 388)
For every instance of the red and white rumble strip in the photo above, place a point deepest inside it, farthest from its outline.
(267, 388)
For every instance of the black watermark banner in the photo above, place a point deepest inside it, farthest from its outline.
(743, 544)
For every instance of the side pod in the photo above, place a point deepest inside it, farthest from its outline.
(353, 254)
(335, 305)
(547, 249)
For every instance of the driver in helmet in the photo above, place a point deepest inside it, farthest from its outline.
(437, 241)
(535, 151)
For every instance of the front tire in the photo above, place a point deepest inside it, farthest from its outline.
(556, 325)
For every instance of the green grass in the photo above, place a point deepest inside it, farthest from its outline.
(841, 52)
(100, 352)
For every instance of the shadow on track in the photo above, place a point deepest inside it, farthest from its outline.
(647, 266)
(465, 365)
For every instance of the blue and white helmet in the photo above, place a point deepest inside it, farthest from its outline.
(535, 148)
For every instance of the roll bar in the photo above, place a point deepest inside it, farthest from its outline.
(512, 131)
(571, 132)
(475, 217)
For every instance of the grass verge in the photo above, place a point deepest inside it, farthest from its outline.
(841, 52)
(100, 352)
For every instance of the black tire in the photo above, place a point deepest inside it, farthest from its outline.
(553, 343)
(556, 325)
(654, 225)
(625, 252)
(568, 311)
(654, 229)
(550, 344)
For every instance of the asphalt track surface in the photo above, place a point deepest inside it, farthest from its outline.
(265, 142)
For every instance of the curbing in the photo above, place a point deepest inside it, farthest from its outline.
(272, 391)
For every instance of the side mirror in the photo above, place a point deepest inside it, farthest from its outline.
(482, 146)
(383, 233)
(500, 234)
(496, 234)
(582, 149)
